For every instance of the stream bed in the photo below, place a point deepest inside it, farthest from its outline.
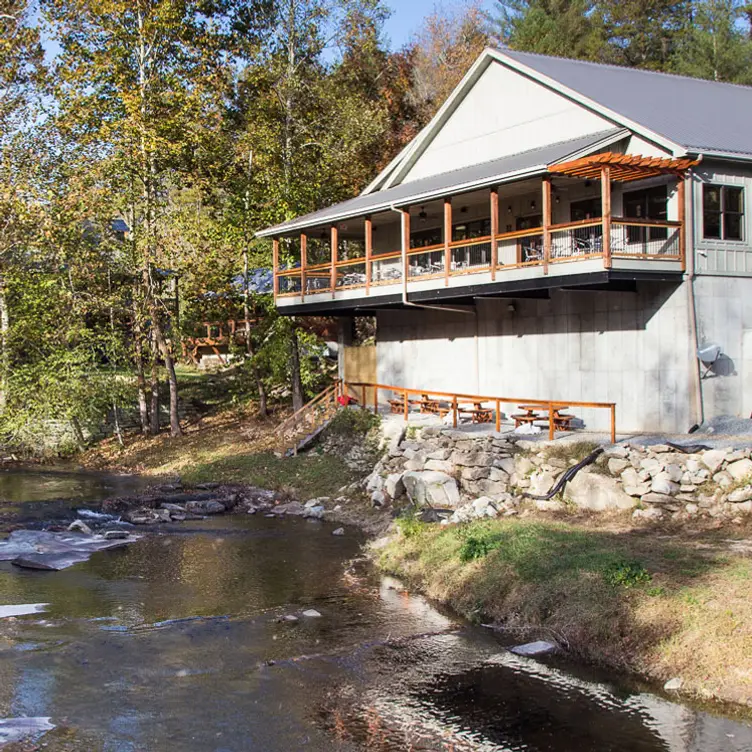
(180, 642)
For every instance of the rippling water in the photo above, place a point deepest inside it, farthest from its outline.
(174, 644)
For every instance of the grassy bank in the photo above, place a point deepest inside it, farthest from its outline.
(662, 606)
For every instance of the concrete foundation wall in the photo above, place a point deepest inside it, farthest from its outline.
(633, 349)
(724, 317)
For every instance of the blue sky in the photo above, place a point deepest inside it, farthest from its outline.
(408, 14)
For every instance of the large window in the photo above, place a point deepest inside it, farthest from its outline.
(647, 204)
(723, 212)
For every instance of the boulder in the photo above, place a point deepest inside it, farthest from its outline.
(393, 486)
(504, 463)
(651, 513)
(597, 492)
(658, 498)
(338, 531)
(617, 465)
(475, 473)
(440, 454)
(740, 469)
(674, 472)
(314, 512)
(294, 508)
(80, 527)
(441, 465)
(378, 499)
(740, 495)
(206, 507)
(662, 484)
(432, 488)
(713, 459)
(541, 482)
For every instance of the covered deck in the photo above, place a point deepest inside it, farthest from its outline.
(578, 221)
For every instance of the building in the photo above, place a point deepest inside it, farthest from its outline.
(560, 230)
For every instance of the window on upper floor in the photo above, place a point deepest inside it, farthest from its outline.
(722, 212)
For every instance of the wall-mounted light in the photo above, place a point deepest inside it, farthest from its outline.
(512, 308)
(558, 199)
(532, 204)
(423, 216)
(509, 209)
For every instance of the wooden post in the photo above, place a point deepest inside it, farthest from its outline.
(606, 214)
(613, 424)
(454, 411)
(550, 421)
(303, 263)
(405, 247)
(375, 400)
(275, 264)
(498, 416)
(494, 233)
(363, 397)
(405, 405)
(369, 253)
(447, 239)
(335, 253)
(546, 206)
(681, 197)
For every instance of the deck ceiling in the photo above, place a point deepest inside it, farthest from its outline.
(622, 167)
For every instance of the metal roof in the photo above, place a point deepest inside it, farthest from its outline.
(486, 174)
(702, 116)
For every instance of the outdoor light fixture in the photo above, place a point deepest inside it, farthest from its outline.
(558, 199)
(509, 209)
(423, 216)
(532, 204)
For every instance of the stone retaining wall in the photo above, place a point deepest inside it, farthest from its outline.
(489, 475)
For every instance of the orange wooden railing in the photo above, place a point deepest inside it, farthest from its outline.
(360, 389)
(311, 416)
(539, 246)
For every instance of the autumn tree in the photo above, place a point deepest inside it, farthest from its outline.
(139, 84)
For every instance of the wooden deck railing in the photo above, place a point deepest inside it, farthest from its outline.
(360, 389)
(538, 246)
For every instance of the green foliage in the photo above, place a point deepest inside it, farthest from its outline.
(476, 546)
(625, 573)
(409, 525)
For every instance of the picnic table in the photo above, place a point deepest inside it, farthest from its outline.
(436, 407)
(478, 413)
(562, 420)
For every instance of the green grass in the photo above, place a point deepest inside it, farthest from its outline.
(628, 600)
(309, 475)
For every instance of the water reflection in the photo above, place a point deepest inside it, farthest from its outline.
(175, 644)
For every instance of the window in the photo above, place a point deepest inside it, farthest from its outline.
(590, 208)
(722, 212)
(647, 204)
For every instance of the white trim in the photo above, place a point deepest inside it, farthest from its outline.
(498, 179)
(397, 170)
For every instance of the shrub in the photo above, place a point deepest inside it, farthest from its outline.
(409, 525)
(479, 545)
(626, 574)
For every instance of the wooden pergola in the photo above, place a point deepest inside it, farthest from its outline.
(622, 167)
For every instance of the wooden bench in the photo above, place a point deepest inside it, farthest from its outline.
(477, 413)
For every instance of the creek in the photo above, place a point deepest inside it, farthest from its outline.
(180, 642)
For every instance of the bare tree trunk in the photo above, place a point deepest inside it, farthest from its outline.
(143, 408)
(4, 354)
(78, 433)
(297, 383)
(154, 407)
(263, 408)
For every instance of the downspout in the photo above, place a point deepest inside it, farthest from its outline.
(692, 304)
(407, 303)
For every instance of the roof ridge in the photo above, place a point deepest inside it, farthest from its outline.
(617, 66)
